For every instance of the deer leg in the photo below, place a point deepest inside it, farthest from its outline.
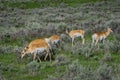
(38, 58)
(96, 41)
(83, 40)
(72, 41)
(93, 41)
(60, 44)
(57, 45)
(34, 56)
(50, 56)
(103, 41)
(46, 55)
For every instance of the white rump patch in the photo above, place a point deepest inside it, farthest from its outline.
(94, 36)
(55, 41)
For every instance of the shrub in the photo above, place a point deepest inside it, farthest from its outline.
(11, 68)
(86, 50)
(75, 72)
(107, 57)
(65, 38)
(3, 67)
(32, 67)
(61, 59)
(116, 76)
(104, 72)
(114, 47)
(6, 49)
(2, 77)
(117, 37)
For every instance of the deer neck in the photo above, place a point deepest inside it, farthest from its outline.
(107, 32)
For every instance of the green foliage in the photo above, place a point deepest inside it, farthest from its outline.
(32, 67)
(104, 72)
(46, 3)
(2, 77)
(75, 71)
(78, 72)
(23, 21)
(60, 60)
(107, 57)
(115, 47)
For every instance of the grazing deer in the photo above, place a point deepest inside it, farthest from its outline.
(76, 33)
(55, 40)
(100, 36)
(38, 46)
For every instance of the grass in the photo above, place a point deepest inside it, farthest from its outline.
(15, 69)
(46, 3)
(15, 43)
(10, 59)
(17, 72)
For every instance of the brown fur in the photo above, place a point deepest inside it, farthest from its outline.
(38, 43)
(101, 34)
(54, 37)
(73, 32)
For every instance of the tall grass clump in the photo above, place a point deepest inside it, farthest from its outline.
(104, 72)
(32, 67)
(3, 68)
(117, 72)
(78, 72)
(61, 59)
(2, 77)
(75, 71)
(114, 46)
(107, 57)
(6, 49)
(86, 50)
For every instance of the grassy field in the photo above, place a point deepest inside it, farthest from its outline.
(46, 3)
(22, 22)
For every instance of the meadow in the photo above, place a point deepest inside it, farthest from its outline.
(22, 21)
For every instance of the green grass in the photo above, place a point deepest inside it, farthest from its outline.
(7, 41)
(10, 60)
(16, 68)
(46, 3)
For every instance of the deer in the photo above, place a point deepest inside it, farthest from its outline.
(100, 36)
(55, 40)
(36, 47)
(76, 33)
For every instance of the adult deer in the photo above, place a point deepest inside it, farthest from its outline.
(38, 46)
(76, 33)
(100, 36)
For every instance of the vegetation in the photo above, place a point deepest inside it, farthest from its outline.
(22, 21)
(25, 4)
